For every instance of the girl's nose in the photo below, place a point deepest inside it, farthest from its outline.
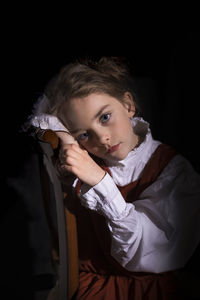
(103, 137)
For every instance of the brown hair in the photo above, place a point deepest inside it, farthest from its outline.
(108, 75)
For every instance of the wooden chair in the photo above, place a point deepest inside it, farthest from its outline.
(64, 239)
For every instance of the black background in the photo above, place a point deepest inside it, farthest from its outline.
(166, 65)
(164, 61)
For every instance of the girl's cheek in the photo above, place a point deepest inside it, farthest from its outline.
(83, 145)
(91, 148)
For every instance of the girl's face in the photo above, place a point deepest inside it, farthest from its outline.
(101, 124)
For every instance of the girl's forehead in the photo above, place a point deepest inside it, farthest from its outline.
(87, 108)
(93, 101)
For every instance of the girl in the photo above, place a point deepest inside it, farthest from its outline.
(135, 199)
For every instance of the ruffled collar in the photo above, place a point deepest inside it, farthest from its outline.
(130, 169)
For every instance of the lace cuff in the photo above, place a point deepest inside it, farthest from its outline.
(46, 121)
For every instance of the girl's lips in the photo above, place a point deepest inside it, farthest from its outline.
(113, 148)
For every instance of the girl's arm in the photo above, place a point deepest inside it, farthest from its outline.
(160, 231)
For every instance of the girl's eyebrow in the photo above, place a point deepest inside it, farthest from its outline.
(96, 116)
(100, 111)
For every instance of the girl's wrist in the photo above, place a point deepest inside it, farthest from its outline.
(98, 178)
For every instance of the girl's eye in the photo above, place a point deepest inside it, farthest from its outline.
(83, 136)
(105, 118)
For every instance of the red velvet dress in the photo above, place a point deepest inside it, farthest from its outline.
(101, 276)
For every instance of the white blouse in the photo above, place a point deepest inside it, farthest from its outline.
(159, 233)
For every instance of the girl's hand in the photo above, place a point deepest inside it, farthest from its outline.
(66, 138)
(77, 161)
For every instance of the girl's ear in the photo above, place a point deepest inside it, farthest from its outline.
(129, 104)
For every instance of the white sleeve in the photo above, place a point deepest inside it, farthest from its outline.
(161, 230)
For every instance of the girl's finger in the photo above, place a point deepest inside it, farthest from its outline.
(73, 151)
(74, 147)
